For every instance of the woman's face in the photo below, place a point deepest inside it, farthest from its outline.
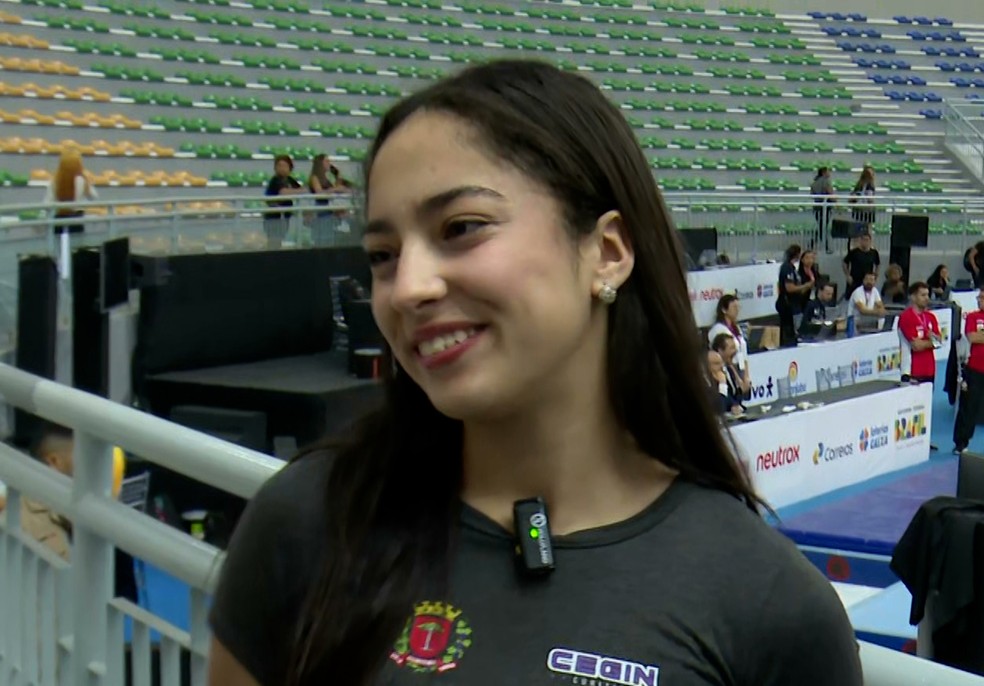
(477, 286)
(733, 309)
(281, 168)
(807, 260)
(945, 274)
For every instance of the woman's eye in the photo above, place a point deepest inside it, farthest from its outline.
(463, 227)
(377, 257)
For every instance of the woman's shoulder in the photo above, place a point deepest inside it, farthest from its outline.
(294, 496)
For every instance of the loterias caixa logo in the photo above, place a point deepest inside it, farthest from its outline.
(434, 640)
(910, 424)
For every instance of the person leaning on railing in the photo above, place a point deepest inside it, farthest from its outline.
(52, 446)
(70, 183)
(531, 292)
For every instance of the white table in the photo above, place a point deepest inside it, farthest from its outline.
(807, 453)
(812, 367)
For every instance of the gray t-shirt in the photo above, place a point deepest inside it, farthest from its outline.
(695, 590)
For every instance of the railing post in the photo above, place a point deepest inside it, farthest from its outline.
(92, 563)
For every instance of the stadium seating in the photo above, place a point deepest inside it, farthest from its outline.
(732, 99)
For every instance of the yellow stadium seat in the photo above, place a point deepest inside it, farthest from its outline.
(9, 117)
(40, 175)
(10, 145)
(8, 18)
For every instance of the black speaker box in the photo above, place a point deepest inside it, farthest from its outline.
(37, 314)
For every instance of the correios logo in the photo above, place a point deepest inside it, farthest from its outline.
(765, 290)
(782, 456)
(762, 391)
(829, 453)
(910, 426)
(745, 295)
(873, 437)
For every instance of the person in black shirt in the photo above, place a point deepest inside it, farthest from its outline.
(789, 302)
(275, 224)
(859, 261)
(816, 309)
(519, 270)
(974, 263)
(939, 283)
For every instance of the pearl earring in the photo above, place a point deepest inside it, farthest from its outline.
(607, 294)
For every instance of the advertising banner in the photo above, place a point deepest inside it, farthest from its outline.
(811, 452)
(812, 367)
(754, 284)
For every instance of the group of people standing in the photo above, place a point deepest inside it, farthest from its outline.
(325, 181)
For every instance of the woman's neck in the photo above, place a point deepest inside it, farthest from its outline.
(570, 452)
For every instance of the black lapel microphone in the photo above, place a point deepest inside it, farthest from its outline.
(534, 550)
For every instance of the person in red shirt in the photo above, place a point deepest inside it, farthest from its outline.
(919, 336)
(972, 398)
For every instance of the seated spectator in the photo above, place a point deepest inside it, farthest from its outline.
(939, 284)
(739, 389)
(866, 301)
(894, 290)
(724, 400)
(824, 307)
(726, 321)
(53, 447)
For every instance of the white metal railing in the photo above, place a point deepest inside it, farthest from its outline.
(59, 623)
(964, 126)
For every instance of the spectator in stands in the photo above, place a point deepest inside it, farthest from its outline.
(52, 446)
(725, 401)
(822, 190)
(323, 222)
(70, 183)
(789, 301)
(860, 260)
(866, 301)
(863, 198)
(726, 322)
(939, 284)
(974, 263)
(972, 396)
(276, 224)
(724, 345)
(529, 285)
(894, 290)
(919, 336)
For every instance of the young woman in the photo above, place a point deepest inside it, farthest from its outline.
(939, 283)
(726, 321)
(809, 272)
(793, 292)
(70, 183)
(863, 198)
(529, 285)
(324, 223)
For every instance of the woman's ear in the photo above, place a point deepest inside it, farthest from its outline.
(616, 256)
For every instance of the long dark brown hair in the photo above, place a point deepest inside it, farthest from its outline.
(393, 496)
